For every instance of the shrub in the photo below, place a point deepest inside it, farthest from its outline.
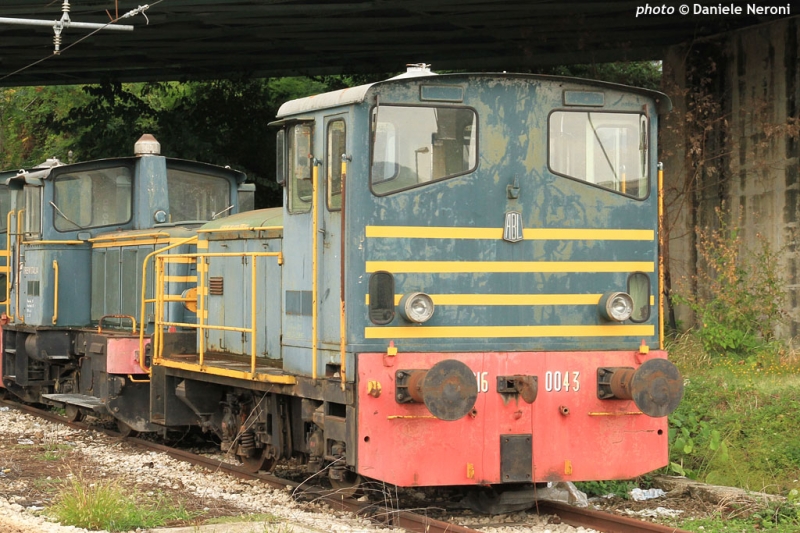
(739, 296)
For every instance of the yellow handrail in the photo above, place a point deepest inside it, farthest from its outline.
(145, 301)
(11, 270)
(161, 298)
(55, 291)
(19, 245)
(661, 256)
(314, 269)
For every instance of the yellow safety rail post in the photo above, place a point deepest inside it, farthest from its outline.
(55, 291)
(661, 256)
(253, 299)
(9, 280)
(202, 271)
(146, 301)
(20, 315)
(314, 266)
(342, 255)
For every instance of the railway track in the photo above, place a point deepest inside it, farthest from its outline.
(410, 521)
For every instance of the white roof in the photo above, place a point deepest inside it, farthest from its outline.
(352, 95)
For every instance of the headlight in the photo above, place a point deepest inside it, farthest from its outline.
(616, 306)
(416, 307)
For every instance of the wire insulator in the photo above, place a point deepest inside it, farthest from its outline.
(65, 6)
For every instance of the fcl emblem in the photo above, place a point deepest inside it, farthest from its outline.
(512, 230)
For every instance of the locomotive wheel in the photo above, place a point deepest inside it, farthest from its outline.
(125, 430)
(260, 461)
(73, 413)
(349, 486)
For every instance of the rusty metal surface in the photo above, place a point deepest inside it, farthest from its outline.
(516, 458)
(450, 390)
(657, 387)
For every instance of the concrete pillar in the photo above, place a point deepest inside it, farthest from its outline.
(733, 137)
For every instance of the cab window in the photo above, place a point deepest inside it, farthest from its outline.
(414, 146)
(337, 147)
(608, 150)
(300, 162)
(92, 198)
(196, 196)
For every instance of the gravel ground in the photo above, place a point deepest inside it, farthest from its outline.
(36, 456)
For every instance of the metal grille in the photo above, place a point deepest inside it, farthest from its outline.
(215, 285)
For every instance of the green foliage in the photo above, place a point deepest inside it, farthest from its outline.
(738, 429)
(27, 123)
(738, 294)
(645, 74)
(112, 507)
(224, 122)
(621, 489)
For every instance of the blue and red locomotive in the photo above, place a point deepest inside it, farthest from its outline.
(462, 287)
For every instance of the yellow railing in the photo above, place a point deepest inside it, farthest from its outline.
(11, 271)
(145, 300)
(161, 325)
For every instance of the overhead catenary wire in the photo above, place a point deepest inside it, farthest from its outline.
(98, 27)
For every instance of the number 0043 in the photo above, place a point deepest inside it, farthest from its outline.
(558, 381)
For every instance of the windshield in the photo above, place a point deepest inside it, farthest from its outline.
(196, 196)
(92, 198)
(606, 149)
(413, 146)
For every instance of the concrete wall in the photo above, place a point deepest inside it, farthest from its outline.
(733, 137)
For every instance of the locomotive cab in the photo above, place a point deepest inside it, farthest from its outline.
(81, 234)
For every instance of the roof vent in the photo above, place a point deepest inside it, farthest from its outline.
(50, 162)
(414, 70)
(147, 145)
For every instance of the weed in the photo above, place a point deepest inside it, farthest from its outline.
(740, 295)
(110, 506)
(621, 489)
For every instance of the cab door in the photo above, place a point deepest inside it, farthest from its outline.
(330, 189)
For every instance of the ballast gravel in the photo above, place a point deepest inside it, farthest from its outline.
(112, 458)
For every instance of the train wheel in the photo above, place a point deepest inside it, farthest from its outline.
(262, 460)
(125, 430)
(73, 413)
(347, 487)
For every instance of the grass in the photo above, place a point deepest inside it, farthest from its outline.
(112, 507)
(737, 426)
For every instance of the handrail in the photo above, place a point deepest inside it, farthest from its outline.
(16, 270)
(132, 319)
(314, 267)
(157, 345)
(9, 282)
(145, 301)
(661, 256)
(55, 292)
(129, 236)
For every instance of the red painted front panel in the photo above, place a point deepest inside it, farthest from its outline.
(123, 355)
(597, 440)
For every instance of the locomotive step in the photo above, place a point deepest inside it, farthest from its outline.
(81, 400)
